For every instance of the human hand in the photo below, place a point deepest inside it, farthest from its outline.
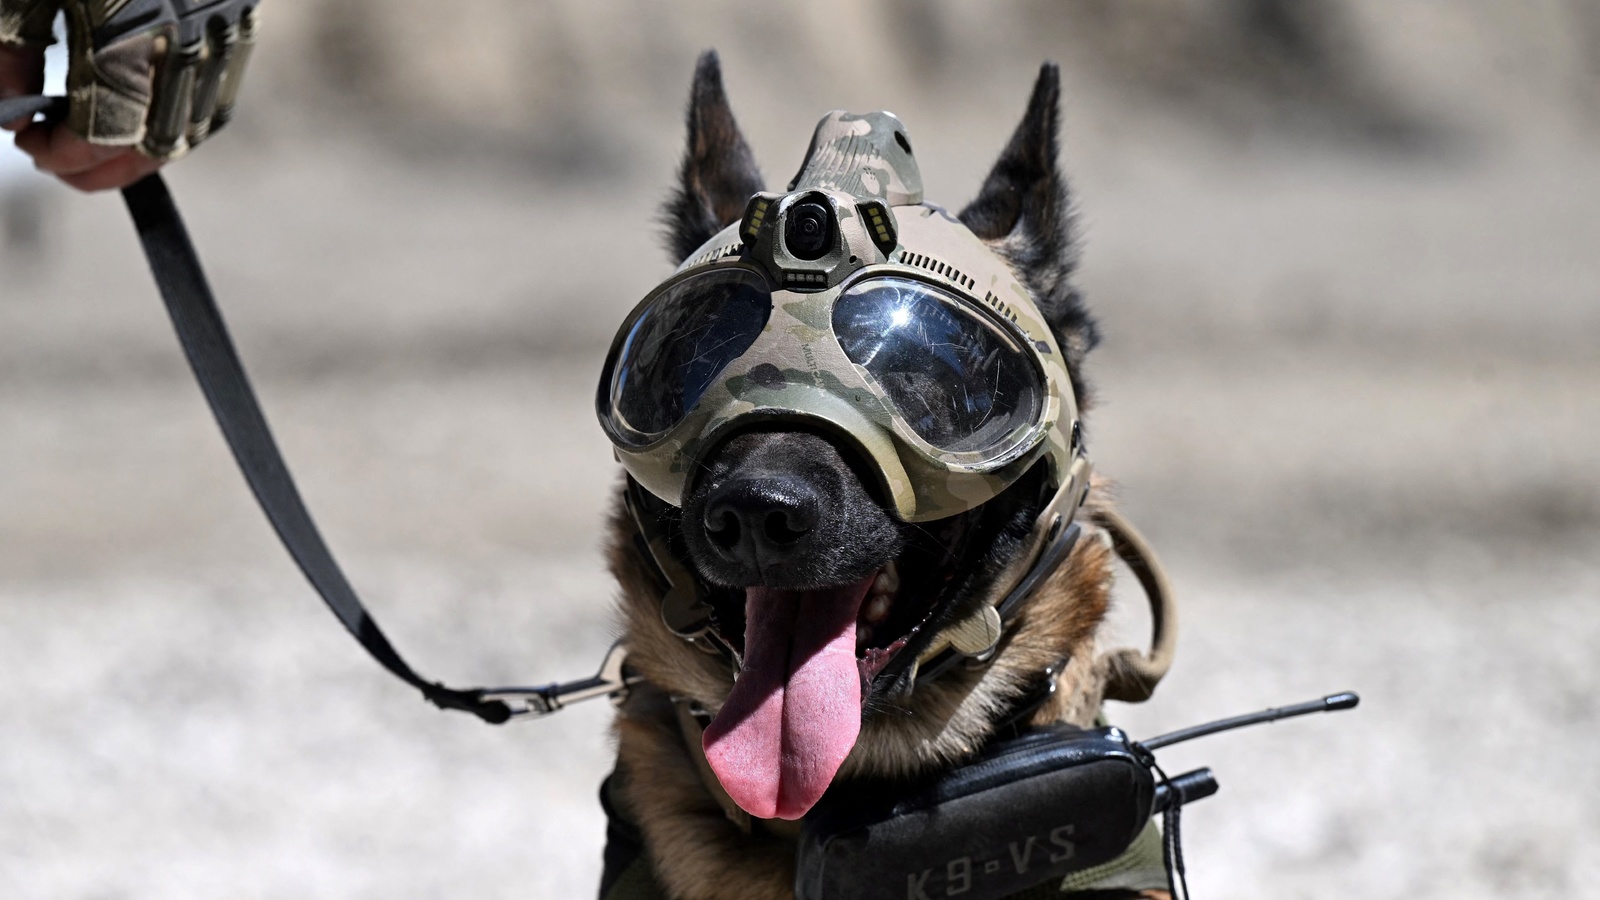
(55, 148)
(144, 86)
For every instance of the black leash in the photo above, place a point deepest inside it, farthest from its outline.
(222, 378)
(198, 322)
(19, 107)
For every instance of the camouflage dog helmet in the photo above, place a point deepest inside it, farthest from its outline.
(849, 306)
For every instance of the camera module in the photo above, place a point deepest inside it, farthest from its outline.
(808, 233)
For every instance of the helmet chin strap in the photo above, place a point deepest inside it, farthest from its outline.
(1128, 674)
(684, 608)
(977, 636)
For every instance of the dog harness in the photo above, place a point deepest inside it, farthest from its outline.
(627, 874)
(1043, 811)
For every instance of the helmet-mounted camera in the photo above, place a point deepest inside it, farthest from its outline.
(812, 240)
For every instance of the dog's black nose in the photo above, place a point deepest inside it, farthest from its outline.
(760, 521)
(784, 510)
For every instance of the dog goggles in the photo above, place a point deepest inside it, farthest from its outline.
(892, 328)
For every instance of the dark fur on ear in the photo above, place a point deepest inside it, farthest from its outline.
(718, 174)
(1024, 212)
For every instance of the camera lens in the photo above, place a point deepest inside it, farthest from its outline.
(809, 232)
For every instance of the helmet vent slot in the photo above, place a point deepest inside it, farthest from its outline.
(715, 254)
(935, 266)
(1000, 307)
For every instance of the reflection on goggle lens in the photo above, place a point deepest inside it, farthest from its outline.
(959, 380)
(681, 343)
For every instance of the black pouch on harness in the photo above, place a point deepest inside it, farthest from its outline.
(1028, 810)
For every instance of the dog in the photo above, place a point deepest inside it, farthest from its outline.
(780, 522)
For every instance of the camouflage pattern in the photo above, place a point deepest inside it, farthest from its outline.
(160, 77)
(866, 156)
(796, 371)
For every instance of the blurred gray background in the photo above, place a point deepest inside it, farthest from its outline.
(1346, 255)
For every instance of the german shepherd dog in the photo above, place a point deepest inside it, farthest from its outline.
(834, 528)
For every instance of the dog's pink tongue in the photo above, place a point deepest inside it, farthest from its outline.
(794, 714)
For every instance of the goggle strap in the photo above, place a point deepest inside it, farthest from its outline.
(1049, 544)
(684, 607)
(1049, 531)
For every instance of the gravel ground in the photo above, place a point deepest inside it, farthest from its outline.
(1351, 397)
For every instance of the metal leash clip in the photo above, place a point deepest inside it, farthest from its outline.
(613, 680)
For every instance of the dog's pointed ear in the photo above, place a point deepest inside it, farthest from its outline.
(1025, 214)
(718, 174)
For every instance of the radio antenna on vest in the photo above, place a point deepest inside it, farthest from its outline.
(1330, 703)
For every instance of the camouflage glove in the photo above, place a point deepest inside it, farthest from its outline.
(159, 75)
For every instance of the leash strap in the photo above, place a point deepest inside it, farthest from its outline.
(204, 336)
(211, 354)
(30, 106)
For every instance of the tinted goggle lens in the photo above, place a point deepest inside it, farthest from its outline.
(679, 345)
(959, 380)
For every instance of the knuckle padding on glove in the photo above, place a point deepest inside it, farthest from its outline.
(233, 72)
(159, 75)
(208, 82)
(174, 93)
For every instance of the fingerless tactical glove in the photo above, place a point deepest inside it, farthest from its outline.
(160, 75)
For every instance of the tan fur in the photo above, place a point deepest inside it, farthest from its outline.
(697, 852)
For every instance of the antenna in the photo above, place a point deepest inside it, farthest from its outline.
(1330, 703)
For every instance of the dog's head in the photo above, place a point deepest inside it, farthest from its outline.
(848, 418)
